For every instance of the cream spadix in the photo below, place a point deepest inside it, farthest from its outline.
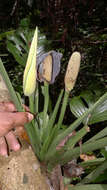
(72, 71)
(30, 73)
(47, 68)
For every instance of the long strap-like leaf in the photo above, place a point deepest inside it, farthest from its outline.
(72, 127)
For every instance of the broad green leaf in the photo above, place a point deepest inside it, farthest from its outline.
(16, 53)
(21, 41)
(5, 34)
(18, 42)
(85, 100)
(77, 106)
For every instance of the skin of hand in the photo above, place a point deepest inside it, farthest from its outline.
(11, 119)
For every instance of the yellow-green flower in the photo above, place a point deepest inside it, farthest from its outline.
(30, 74)
(72, 71)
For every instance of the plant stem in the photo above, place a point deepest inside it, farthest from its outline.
(33, 136)
(10, 87)
(50, 127)
(78, 136)
(46, 102)
(63, 109)
(54, 114)
(36, 101)
(31, 103)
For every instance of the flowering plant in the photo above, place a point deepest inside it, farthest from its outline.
(52, 143)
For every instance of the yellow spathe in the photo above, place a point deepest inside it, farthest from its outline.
(30, 73)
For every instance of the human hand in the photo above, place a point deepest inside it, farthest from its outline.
(10, 119)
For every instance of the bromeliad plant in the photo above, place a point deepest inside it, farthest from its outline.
(52, 143)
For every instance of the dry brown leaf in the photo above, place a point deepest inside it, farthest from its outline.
(72, 170)
(21, 133)
(86, 157)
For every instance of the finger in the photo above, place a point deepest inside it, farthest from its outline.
(10, 107)
(26, 108)
(10, 120)
(18, 131)
(12, 141)
(3, 147)
(7, 106)
(20, 118)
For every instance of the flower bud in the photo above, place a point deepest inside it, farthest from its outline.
(72, 71)
(29, 78)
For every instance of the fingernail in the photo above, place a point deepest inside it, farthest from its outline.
(30, 116)
(3, 153)
(16, 147)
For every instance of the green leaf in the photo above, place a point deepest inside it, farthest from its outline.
(74, 139)
(99, 135)
(94, 174)
(10, 87)
(16, 53)
(59, 137)
(104, 152)
(5, 34)
(85, 148)
(85, 100)
(40, 119)
(50, 127)
(18, 43)
(77, 106)
(94, 162)
(101, 178)
(88, 187)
